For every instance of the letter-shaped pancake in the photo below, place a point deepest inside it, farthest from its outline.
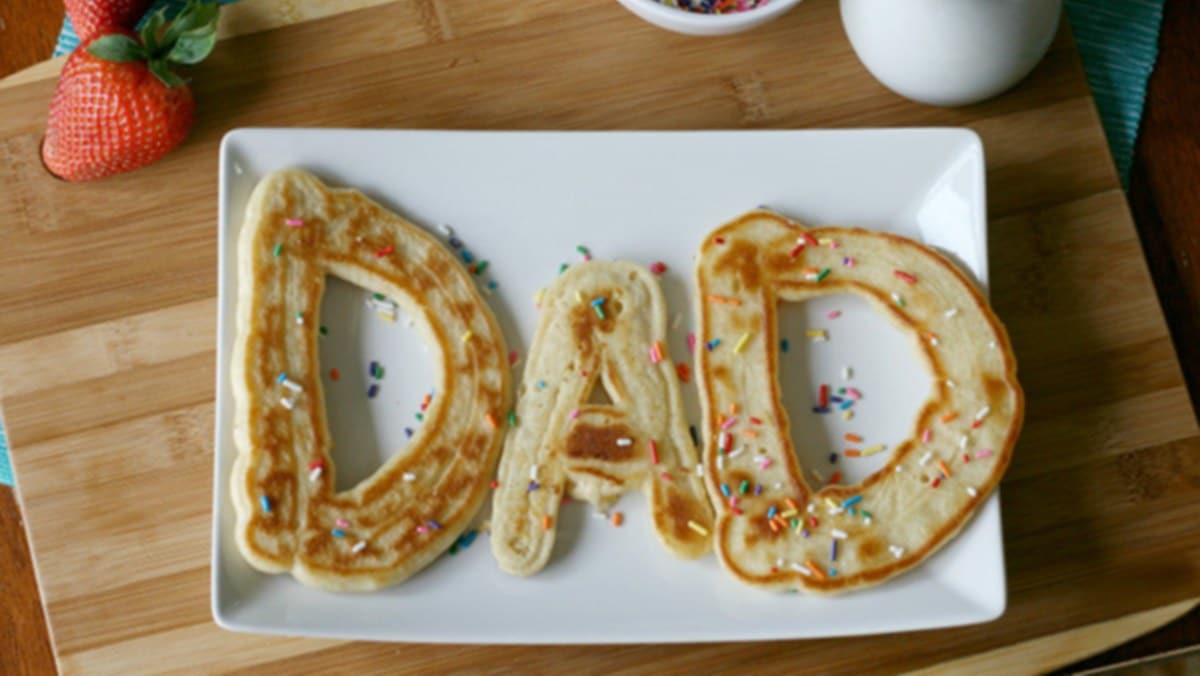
(845, 537)
(289, 516)
(601, 323)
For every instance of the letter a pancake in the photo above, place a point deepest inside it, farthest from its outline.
(289, 516)
(602, 324)
(839, 538)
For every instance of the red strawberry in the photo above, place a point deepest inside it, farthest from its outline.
(93, 18)
(118, 106)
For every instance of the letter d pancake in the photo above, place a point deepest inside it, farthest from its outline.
(836, 538)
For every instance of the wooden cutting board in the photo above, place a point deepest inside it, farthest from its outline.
(107, 320)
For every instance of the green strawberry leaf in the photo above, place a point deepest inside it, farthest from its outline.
(194, 15)
(117, 47)
(193, 46)
(152, 29)
(188, 39)
(163, 72)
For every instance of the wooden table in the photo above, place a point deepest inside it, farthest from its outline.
(83, 341)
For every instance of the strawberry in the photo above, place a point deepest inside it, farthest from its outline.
(93, 18)
(118, 106)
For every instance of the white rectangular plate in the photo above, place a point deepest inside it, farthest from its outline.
(524, 201)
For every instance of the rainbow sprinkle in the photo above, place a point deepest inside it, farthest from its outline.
(288, 383)
(741, 344)
(715, 7)
(656, 352)
(684, 373)
(265, 503)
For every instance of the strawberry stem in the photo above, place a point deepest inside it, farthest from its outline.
(186, 40)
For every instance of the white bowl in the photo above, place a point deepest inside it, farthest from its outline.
(682, 21)
(950, 52)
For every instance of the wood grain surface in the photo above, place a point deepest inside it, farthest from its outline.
(107, 324)
(1166, 208)
(28, 30)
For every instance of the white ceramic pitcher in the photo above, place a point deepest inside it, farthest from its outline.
(950, 52)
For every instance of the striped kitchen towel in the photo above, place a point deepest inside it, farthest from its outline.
(1118, 42)
(6, 476)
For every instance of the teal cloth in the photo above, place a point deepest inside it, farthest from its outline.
(1117, 39)
(1118, 42)
(6, 476)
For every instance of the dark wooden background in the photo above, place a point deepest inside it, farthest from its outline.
(1164, 194)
